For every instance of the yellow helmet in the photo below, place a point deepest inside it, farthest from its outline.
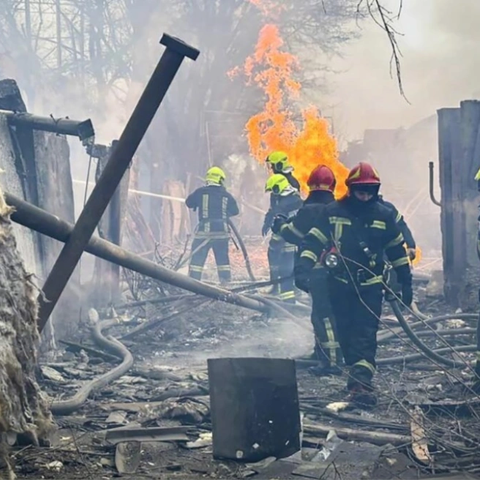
(278, 184)
(279, 162)
(215, 176)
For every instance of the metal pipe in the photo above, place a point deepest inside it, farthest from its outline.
(62, 126)
(47, 224)
(431, 189)
(112, 174)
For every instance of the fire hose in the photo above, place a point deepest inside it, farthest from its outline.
(243, 249)
(428, 352)
(428, 321)
(65, 407)
(432, 354)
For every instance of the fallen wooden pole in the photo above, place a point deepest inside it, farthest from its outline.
(47, 224)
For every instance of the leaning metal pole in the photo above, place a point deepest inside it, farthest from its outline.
(112, 174)
(45, 223)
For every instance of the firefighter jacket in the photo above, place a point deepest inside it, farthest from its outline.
(287, 206)
(402, 224)
(214, 206)
(294, 230)
(274, 207)
(361, 236)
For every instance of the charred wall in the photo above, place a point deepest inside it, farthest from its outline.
(37, 169)
(459, 157)
(401, 156)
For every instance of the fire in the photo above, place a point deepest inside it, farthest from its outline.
(308, 143)
(275, 127)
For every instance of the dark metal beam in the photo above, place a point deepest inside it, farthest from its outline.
(45, 223)
(63, 126)
(120, 158)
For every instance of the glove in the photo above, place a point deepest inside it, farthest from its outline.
(265, 229)
(412, 253)
(407, 294)
(278, 221)
(302, 282)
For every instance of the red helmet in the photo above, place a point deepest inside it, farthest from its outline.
(363, 174)
(321, 178)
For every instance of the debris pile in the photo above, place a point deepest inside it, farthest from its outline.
(155, 420)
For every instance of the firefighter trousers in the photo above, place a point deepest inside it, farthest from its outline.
(327, 346)
(281, 260)
(357, 314)
(200, 248)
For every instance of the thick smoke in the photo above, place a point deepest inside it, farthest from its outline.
(439, 67)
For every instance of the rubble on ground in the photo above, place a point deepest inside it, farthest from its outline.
(159, 413)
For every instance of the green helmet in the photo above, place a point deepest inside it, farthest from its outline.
(279, 162)
(215, 176)
(278, 184)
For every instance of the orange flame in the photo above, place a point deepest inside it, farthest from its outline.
(275, 127)
(418, 257)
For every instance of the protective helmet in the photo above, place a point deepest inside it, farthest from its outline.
(215, 176)
(279, 162)
(278, 184)
(363, 174)
(322, 178)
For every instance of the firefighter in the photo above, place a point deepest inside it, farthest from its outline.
(353, 234)
(278, 163)
(321, 184)
(404, 228)
(215, 206)
(285, 201)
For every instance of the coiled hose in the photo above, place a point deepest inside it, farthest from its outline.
(65, 407)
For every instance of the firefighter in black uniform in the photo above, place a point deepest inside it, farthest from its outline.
(277, 162)
(353, 234)
(404, 228)
(285, 202)
(215, 206)
(321, 184)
